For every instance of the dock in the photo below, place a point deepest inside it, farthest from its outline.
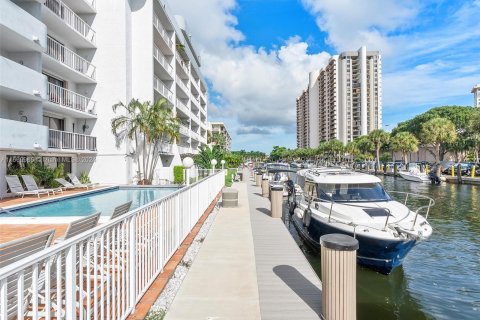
(249, 267)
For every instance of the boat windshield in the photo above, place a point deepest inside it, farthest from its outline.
(365, 192)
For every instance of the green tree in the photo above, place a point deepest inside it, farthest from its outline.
(404, 142)
(204, 158)
(378, 138)
(218, 139)
(436, 132)
(277, 153)
(364, 144)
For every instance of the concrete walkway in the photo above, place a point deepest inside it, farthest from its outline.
(222, 282)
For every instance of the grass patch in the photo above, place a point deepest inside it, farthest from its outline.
(228, 177)
(156, 315)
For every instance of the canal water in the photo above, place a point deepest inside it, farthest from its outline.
(440, 278)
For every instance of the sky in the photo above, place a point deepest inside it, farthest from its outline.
(256, 56)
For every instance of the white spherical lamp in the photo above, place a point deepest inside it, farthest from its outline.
(213, 162)
(187, 162)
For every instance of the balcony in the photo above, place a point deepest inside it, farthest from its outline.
(184, 130)
(158, 55)
(82, 6)
(71, 64)
(182, 86)
(182, 107)
(79, 33)
(168, 43)
(71, 141)
(183, 65)
(162, 89)
(184, 150)
(71, 102)
(17, 135)
(18, 82)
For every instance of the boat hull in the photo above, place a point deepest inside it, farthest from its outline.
(377, 254)
(414, 178)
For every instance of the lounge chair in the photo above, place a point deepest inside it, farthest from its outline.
(79, 226)
(67, 185)
(73, 178)
(121, 210)
(31, 185)
(16, 250)
(16, 187)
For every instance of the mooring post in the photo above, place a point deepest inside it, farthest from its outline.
(276, 201)
(395, 170)
(258, 179)
(265, 187)
(339, 276)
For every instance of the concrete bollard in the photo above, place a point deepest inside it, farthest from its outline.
(258, 179)
(339, 276)
(229, 197)
(395, 170)
(276, 201)
(265, 188)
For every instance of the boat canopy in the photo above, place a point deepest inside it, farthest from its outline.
(337, 176)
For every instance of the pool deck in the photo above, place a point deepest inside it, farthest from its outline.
(249, 267)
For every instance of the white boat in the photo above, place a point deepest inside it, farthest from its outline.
(277, 175)
(414, 175)
(334, 200)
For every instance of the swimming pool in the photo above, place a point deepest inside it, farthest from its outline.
(84, 205)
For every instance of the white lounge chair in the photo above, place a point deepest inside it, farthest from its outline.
(31, 185)
(79, 226)
(16, 188)
(73, 178)
(67, 185)
(16, 250)
(121, 210)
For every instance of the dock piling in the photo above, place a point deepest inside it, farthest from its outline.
(265, 187)
(258, 179)
(276, 201)
(339, 276)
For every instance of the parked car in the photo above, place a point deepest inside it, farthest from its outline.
(465, 169)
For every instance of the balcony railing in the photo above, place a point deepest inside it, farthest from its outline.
(162, 60)
(184, 150)
(70, 99)
(182, 63)
(161, 30)
(103, 272)
(182, 85)
(185, 130)
(160, 87)
(69, 58)
(70, 140)
(71, 19)
(180, 105)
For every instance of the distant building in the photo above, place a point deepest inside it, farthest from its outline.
(344, 98)
(302, 120)
(476, 95)
(219, 127)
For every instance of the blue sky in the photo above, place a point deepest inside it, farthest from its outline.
(257, 54)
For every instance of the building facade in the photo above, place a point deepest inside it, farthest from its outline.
(65, 63)
(345, 98)
(476, 95)
(302, 120)
(219, 127)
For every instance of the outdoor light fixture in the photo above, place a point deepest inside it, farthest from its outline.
(223, 164)
(187, 164)
(214, 163)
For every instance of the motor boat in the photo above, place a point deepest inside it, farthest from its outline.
(277, 175)
(414, 175)
(336, 200)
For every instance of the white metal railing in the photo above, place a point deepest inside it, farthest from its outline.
(70, 99)
(161, 30)
(104, 272)
(75, 22)
(69, 58)
(182, 85)
(162, 89)
(182, 63)
(162, 60)
(69, 140)
(180, 105)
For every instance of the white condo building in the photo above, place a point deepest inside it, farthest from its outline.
(476, 95)
(63, 64)
(219, 127)
(344, 99)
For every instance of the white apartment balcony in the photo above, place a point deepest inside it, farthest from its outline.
(69, 102)
(82, 6)
(183, 67)
(182, 107)
(166, 43)
(61, 60)
(184, 93)
(160, 87)
(167, 69)
(78, 32)
(71, 142)
(184, 150)
(20, 31)
(195, 118)
(18, 82)
(17, 135)
(195, 87)
(184, 130)
(195, 101)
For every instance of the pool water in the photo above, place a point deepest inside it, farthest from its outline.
(103, 201)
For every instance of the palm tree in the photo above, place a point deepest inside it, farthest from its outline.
(217, 139)
(352, 149)
(404, 142)
(204, 158)
(378, 138)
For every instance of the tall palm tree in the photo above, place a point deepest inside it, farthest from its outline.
(379, 138)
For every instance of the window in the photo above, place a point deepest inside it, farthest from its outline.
(365, 192)
(54, 123)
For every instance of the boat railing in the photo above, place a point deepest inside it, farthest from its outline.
(410, 195)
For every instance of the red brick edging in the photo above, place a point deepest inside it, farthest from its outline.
(143, 306)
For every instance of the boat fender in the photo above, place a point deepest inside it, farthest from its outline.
(307, 217)
(299, 213)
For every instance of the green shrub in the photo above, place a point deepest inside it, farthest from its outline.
(84, 178)
(228, 177)
(178, 174)
(43, 175)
